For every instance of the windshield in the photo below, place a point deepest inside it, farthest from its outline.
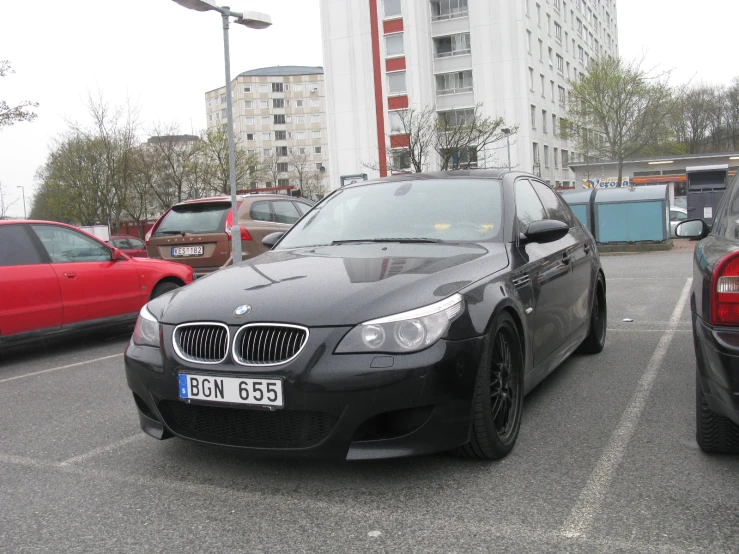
(194, 218)
(444, 210)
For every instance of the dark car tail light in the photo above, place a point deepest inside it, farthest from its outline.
(151, 231)
(229, 222)
(725, 291)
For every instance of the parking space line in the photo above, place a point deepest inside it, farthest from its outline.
(60, 367)
(102, 449)
(593, 494)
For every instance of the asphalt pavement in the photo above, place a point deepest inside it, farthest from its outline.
(606, 460)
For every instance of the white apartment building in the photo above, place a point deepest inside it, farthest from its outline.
(511, 57)
(277, 111)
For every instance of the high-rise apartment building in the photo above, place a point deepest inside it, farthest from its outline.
(513, 58)
(278, 111)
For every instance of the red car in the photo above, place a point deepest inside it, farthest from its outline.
(131, 246)
(56, 278)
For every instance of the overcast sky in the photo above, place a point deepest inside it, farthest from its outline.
(165, 57)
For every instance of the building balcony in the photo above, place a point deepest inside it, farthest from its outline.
(456, 98)
(452, 63)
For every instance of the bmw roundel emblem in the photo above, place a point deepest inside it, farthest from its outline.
(242, 310)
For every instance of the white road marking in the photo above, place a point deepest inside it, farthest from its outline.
(595, 489)
(102, 449)
(60, 367)
(632, 330)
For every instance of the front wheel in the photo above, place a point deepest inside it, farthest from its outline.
(498, 401)
(162, 288)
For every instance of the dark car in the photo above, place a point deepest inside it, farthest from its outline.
(401, 316)
(131, 246)
(714, 304)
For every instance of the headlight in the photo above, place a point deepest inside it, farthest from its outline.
(406, 332)
(146, 332)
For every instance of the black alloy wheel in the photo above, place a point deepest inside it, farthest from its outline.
(498, 401)
(596, 339)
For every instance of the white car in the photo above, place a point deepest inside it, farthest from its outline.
(676, 216)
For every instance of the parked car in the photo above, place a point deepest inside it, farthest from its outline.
(676, 216)
(131, 246)
(198, 232)
(401, 316)
(714, 303)
(56, 278)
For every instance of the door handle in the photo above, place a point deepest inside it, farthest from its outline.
(586, 248)
(566, 258)
(70, 275)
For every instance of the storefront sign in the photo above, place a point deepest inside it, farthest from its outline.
(606, 183)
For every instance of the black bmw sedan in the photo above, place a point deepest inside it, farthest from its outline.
(398, 317)
(714, 303)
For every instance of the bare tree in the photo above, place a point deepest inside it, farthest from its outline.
(215, 155)
(626, 105)
(463, 135)
(693, 117)
(174, 152)
(5, 205)
(272, 169)
(14, 114)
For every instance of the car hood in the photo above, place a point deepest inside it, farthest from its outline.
(332, 286)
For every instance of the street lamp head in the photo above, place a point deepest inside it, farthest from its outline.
(254, 20)
(506, 131)
(198, 5)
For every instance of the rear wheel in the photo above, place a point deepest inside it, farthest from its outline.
(163, 288)
(498, 401)
(596, 339)
(714, 433)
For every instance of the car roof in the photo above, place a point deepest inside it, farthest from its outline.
(259, 195)
(496, 174)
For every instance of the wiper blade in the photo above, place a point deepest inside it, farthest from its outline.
(168, 233)
(390, 239)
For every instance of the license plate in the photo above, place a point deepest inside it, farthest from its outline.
(187, 251)
(235, 390)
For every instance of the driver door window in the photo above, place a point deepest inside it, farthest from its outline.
(528, 206)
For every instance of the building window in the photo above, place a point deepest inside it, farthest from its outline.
(551, 92)
(541, 50)
(567, 42)
(565, 160)
(298, 103)
(560, 64)
(250, 137)
(315, 102)
(542, 85)
(288, 119)
(300, 150)
(315, 118)
(456, 118)
(313, 87)
(528, 41)
(538, 15)
(556, 161)
(392, 8)
(267, 152)
(551, 60)
(394, 45)
(281, 150)
(555, 132)
(319, 165)
(562, 95)
(531, 79)
(549, 25)
(280, 135)
(300, 135)
(558, 31)
(279, 119)
(247, 88)
(210, 117)
(453, 45)
(533, 116)
(278, 103)
(448, 9)
(284, 183)
(544, 120)
(316, 134)
(299, 119)
(251, 152)
(396, 82)
(536, 154)
(249, 104)
(556, 4)
(250, 121)
(266, 120)
(282, 167)
(264, 104)
(396, 123)
(223, 98)
(453, 83)
(277, 87)
(546, 156)
(317, 149)
(266, 136)
(263, 88)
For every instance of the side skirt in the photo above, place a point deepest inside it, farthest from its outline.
(540, 372)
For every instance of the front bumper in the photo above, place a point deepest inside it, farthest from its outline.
(336, 406)
(717, 355)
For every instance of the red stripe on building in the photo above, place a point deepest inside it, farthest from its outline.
(397, 103)
(395, 64)
(377, 67)
(400, 141)
(393, 26)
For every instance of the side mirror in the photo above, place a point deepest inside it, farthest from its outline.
(115, 254)
(273, 238)
(692, 229)
(546, 230)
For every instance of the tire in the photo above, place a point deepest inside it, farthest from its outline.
(162, 288)
(492, 437)
(714, 433)
(596, 339)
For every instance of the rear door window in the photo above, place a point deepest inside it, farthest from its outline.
(16, 247)
(194, 219)
(302, 207)
(65, 245)
(285, 212)
(260, 211)
(135, 243)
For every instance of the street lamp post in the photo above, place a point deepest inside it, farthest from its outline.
(507, 133)
(253, 20)
(23, 191)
